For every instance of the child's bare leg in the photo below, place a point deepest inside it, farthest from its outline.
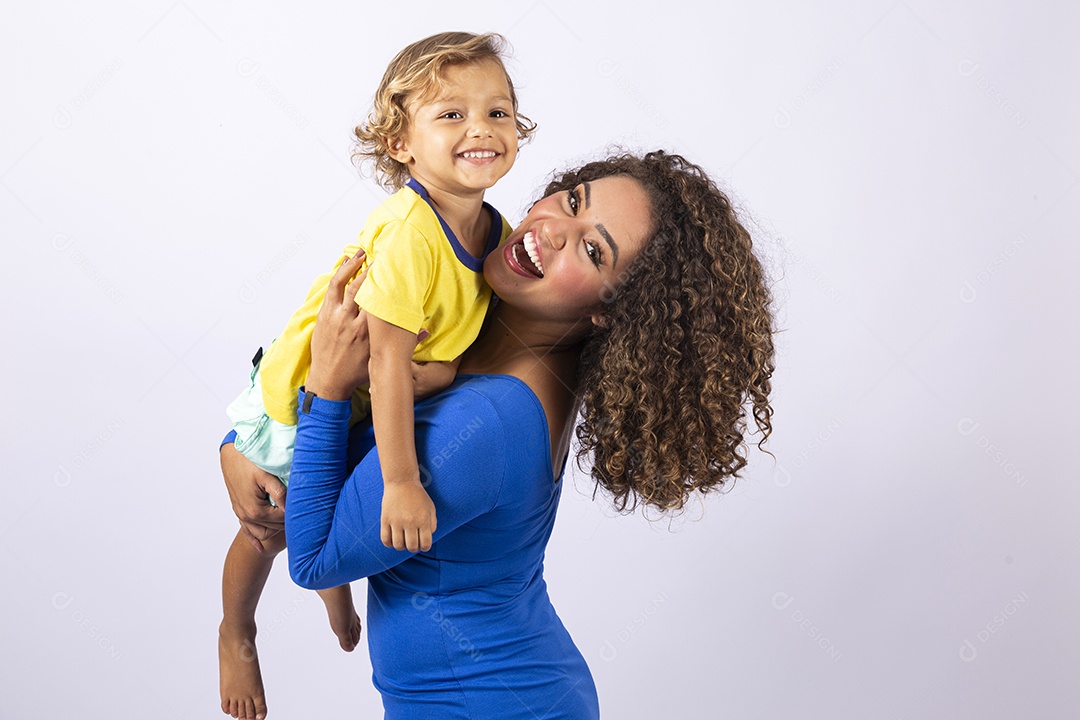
(343, 618)
(242, 583)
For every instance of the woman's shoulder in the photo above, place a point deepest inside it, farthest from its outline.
(502, 398)
(498, 411)
(484, 426)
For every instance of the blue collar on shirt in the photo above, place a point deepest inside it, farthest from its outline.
(476, 264)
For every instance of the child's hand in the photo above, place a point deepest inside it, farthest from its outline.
(431, 377)
(408, 516)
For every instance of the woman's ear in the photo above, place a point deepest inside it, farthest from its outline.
(399, 150)
(600, 320)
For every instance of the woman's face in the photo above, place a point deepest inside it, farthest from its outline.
(572, 250)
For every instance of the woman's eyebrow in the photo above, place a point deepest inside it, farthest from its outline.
(614, 248)
(601, 229)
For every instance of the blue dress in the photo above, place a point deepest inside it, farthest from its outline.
(465, 630)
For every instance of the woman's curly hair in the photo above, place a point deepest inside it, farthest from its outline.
(414, 75)
(687, 346)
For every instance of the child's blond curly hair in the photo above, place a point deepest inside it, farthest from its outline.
(415, 75)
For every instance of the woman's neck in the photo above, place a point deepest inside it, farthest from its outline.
(544, 357)
(510, 342)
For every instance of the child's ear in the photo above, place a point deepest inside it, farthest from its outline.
(600, 320)
(399, 150)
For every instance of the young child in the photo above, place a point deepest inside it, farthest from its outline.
(445, 127)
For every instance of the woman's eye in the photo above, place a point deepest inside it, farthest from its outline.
(594, 252)
(574, 200)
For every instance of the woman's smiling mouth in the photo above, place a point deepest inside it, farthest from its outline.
(524, 256)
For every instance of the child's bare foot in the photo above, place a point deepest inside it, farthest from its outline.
(242, 694)
(347, 630)
(343, 618)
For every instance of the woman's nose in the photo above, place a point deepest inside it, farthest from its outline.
(556, 233)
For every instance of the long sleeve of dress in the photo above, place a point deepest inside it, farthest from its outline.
(332, 517)
(466, 629)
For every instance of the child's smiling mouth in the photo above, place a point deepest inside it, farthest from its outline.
(479, 156)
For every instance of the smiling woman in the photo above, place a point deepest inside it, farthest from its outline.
(661, 358)
(530, 241)
(687, 343)
(577, 241)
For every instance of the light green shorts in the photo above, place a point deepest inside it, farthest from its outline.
(262, 440)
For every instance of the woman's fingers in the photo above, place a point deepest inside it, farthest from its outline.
(344, 275)
(339, 340)
(352, 288)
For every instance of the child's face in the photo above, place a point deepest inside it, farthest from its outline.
(463, 139)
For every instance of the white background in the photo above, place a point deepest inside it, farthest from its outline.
(173, 176)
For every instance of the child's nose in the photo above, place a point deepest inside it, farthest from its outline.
(480, 127)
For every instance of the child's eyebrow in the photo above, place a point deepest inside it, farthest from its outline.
(459, 98)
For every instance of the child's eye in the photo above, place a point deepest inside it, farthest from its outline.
(499, 114)
(452, 115)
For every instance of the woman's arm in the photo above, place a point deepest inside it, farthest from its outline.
(249, 487)
(333, 522)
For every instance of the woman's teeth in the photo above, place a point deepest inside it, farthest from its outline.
(533, 251)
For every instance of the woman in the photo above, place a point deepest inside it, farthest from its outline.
(630, 294)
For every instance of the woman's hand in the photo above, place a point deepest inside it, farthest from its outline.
(340, 348)
(248, 487)
(339, 343)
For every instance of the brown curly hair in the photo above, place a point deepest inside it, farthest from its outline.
(414, 75)
(686, 348)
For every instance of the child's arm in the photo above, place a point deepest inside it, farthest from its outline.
(408, 515)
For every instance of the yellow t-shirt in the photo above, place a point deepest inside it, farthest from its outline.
(418, 278)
